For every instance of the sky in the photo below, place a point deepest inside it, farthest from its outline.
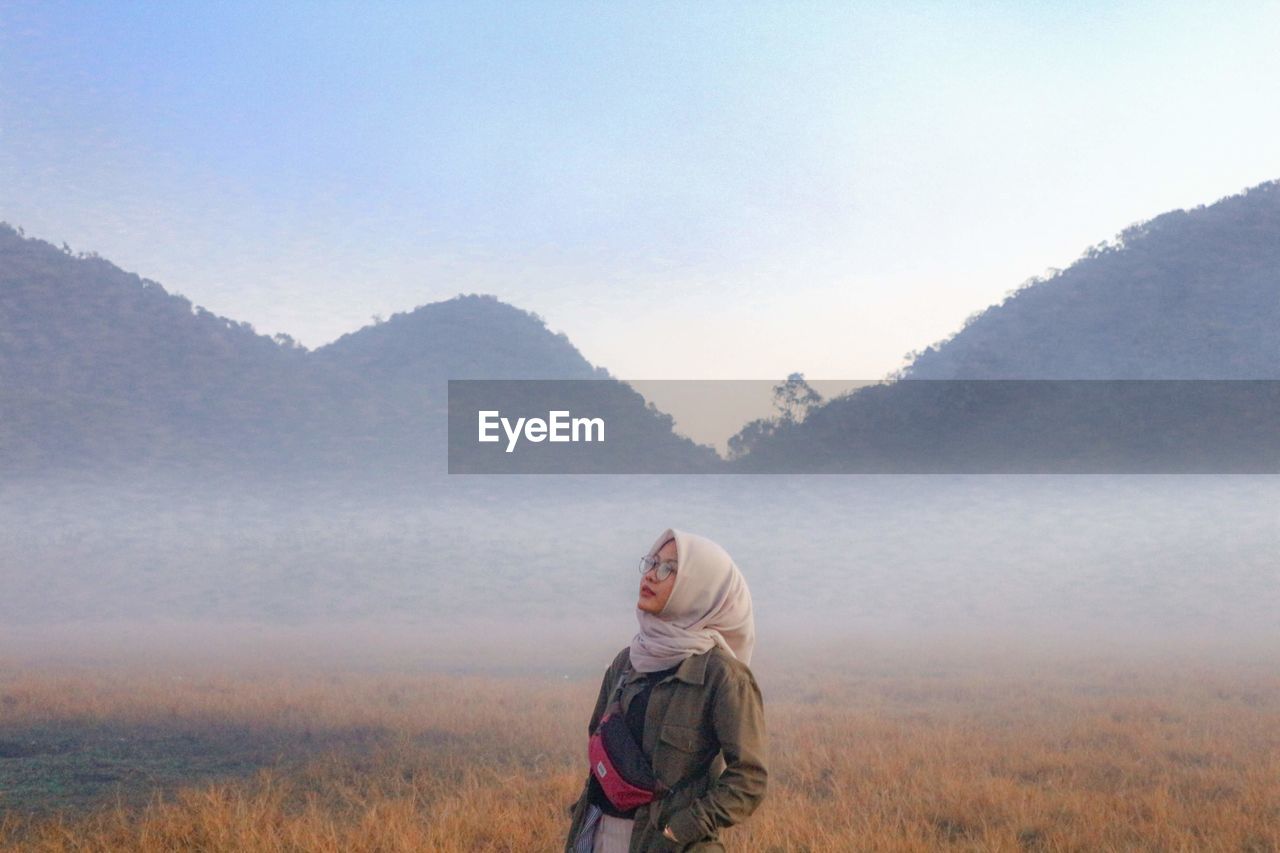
(687, 190)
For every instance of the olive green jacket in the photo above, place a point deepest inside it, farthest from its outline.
(704, 733)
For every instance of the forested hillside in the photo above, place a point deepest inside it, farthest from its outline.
(1190, 294)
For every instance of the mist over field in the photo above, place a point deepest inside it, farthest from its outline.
(539, 572)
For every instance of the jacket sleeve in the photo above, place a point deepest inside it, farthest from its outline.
(738, 720)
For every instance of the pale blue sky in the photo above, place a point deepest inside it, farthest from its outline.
(687, 190)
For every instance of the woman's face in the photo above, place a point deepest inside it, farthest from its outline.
(653, 592)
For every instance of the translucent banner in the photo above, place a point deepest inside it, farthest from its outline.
(859, 426)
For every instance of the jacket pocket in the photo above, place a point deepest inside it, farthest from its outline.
(680, 751)
(676, 801)
(681, 737)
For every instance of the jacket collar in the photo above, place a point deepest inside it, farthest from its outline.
(693, 669)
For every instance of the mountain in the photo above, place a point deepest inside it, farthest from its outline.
(1191, 294)
(404, 365)
(405, 362)
(101, 370)
(101, 366)
(468, 337)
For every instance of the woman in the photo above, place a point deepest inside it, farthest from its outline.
(691, 702)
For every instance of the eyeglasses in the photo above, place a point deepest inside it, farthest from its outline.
(665, 567)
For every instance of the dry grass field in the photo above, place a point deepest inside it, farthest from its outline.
(905, 751)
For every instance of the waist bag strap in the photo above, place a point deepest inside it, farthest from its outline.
(661, 790)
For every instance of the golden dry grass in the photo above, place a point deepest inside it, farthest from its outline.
(906, 753)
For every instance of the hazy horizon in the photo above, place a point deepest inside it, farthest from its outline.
(1163, 560)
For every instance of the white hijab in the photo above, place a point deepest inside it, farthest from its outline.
(710, 605)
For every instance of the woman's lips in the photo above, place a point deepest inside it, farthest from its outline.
(645, 591)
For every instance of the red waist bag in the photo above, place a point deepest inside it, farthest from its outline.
(619, 763)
